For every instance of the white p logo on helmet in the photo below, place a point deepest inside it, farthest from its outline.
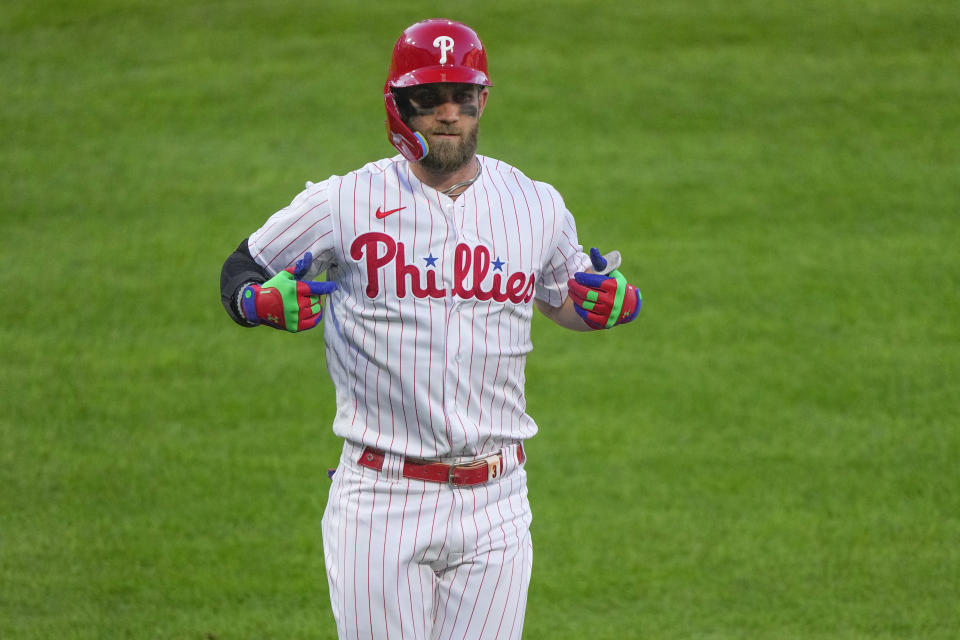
(445, 44)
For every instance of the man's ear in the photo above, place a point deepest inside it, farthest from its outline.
(484, 94)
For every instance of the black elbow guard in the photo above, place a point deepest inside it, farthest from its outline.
(239, 269)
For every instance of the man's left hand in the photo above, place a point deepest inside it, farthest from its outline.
(603, 301)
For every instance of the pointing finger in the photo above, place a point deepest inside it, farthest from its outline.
(321, 288)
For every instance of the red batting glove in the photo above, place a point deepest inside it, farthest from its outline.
(603, 301)
(284, 301)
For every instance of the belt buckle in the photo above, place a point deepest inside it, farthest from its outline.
(494, 465)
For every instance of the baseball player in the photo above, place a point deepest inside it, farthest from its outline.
(434, 260)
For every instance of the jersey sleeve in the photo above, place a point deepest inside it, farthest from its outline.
(304, 225)
(566, 258)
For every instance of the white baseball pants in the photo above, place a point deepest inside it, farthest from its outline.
(426, 560)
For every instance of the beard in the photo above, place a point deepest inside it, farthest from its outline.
(447, 156)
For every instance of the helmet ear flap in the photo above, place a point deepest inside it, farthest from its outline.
(411, 144)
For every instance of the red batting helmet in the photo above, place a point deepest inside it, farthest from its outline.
(430, 51)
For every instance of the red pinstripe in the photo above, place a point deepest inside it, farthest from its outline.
(496, 374)
(370, 600)
(543, 221)
(416, 320)
(267, 228)
(502, 564)
(512, 575)
(526, 203)
(363, 342)
(483, 578)
(356, 544)
(316, 243)
(500, 322)
(417, 537)
(512, 342)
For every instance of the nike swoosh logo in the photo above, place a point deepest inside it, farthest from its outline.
(384, 214)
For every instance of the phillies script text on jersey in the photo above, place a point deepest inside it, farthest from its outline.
(470, 268)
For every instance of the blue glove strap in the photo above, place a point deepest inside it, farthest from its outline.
(248, 304)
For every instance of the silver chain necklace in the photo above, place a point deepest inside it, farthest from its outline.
(465, 183)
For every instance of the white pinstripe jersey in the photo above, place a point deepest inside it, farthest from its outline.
(428, 332)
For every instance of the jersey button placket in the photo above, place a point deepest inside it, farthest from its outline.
(451, 344)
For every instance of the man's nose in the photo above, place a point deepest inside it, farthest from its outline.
(449, 111)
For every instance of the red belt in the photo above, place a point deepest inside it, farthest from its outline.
(459, 475)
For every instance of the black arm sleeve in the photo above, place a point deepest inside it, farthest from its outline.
(239, 269)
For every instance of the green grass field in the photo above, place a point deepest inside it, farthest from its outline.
(770, 452)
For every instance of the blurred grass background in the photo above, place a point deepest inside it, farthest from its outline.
(771, 451)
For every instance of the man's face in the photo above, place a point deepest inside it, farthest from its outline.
(448, 115)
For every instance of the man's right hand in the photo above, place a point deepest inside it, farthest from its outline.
(286, 302)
